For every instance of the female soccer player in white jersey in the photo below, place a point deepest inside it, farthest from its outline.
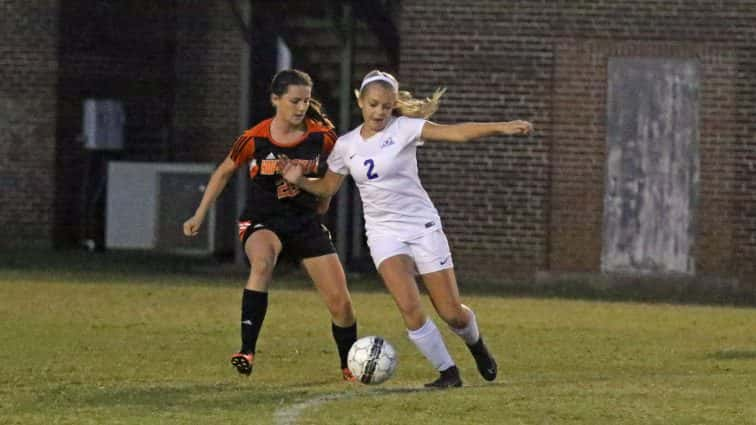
(403, 227)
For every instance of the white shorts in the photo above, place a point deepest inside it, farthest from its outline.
(430, 252)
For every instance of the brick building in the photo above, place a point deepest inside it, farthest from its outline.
(540, 204)
(520, 207)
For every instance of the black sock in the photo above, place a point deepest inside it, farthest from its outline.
(344, 338)
(254, 307)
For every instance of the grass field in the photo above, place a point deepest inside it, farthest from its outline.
(103, 339)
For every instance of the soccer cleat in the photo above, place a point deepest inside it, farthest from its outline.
(347, 375)
(484, 360)
(243, 363)
(449, 378)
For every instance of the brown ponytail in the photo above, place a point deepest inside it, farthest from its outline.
(316, 112)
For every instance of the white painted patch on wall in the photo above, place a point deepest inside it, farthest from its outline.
(652, 165)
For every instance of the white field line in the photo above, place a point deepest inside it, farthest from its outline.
(288, 415)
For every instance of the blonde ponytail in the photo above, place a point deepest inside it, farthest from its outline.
(418, 108)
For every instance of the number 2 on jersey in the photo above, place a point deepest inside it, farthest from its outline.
(370, 164)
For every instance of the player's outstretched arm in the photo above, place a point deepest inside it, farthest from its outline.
(218, 181)
(323, 187)
(465, 132)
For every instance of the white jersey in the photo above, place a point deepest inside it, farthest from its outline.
(384, 167)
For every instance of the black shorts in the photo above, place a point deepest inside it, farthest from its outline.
(301, 237)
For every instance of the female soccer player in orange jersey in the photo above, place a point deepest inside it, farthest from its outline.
(278, 217)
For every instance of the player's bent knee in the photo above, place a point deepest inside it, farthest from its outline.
(262, 266)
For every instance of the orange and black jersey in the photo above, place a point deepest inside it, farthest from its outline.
(269, 194)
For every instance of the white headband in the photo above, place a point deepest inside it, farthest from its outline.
(380, 77)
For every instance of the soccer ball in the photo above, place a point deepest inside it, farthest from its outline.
(372, 360)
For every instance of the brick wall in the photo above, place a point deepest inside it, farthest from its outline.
(115, 50)
(538, 204)
(511, 206)
(175, 66)
(492, 194)
(207, 68)
(176, 69)
(28, 75)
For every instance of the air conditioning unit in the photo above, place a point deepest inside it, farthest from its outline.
(148, 202)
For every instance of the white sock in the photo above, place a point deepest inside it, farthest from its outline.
(470, 333)
(428, 340)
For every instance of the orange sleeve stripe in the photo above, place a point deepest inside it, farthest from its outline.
(239, 146)
(242, 148)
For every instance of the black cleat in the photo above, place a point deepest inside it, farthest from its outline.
(449, 378)
(484, 360)
(243, 363)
